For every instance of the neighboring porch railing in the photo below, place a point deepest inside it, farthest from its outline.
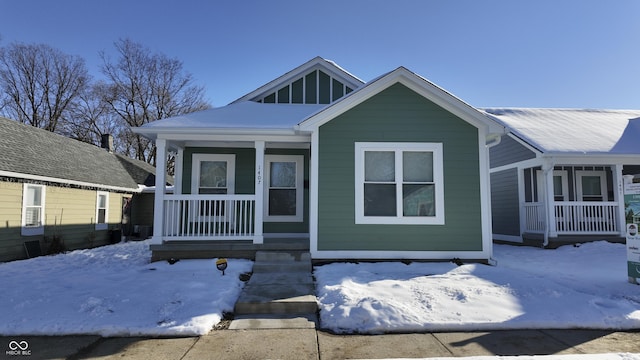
(573, 218)
(208, 217)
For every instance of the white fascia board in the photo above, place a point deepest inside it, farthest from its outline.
(414, 82)
(592, 158)
(236, 136)
(65, 181)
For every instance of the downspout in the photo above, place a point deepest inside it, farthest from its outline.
(489, 144)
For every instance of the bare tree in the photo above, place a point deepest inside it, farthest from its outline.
(39, 84)
(142, 87)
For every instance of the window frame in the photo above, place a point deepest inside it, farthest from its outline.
(33, 230)
(105, 224)
(299, 160)
(195, 171)
(603, 184)
(399, 148)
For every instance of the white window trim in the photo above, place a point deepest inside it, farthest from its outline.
(603, 183)
(32, 230)
(398, 148)
(231, 170)
(105, 225)
(564, 176)
(299, 160)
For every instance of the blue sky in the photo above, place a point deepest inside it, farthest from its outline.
(507, 53)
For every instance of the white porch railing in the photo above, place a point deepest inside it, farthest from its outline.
(573, 217)
(534, 217)
(586, 217)
(208, 217)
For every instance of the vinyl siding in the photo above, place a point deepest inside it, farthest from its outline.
(505, 206)
(509, 151)
(398, 114)
(69, 213)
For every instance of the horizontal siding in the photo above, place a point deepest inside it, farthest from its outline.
(509, 151)
(398, 115)
(505, 206)
(69, 214)
(11, 242)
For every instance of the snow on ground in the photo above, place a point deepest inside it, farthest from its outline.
(570, 287)
(115, 291)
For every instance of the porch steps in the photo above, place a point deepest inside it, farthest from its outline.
(280, 293)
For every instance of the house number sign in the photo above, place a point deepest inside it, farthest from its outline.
(259, 175)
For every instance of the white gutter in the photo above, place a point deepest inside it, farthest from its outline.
(65, 181)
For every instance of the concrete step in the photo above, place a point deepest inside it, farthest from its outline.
(276, 267)
(290, 256)
(276, 278)
(267, 321)
(277, 299)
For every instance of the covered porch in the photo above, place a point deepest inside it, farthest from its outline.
(565, 201)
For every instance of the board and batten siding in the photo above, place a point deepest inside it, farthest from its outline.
(508, 151)
(69, 213)
(397, 114)
(505, 206)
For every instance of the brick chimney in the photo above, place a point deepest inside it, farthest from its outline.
(107, 142)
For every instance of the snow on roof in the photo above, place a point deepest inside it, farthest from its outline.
(242, 115)
(574, 130)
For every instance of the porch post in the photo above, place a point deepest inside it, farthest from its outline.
(618, 182)
(549, 200)
(158, 204)
(258, 237)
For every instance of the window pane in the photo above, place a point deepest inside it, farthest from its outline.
(102, 216)
(213, 174)
(32, 216)
(212, 191)
(591, 186)
(379, 199)
(557, 185)
(282, 202)
(417, 166)
(283, 174)
(418, 200)
(102, 201)
(379, 166)
(34, 195)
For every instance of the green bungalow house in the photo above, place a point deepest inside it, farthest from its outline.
(396, 168)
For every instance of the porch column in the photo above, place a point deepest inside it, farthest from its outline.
(618, 189)
(258, 237)
(549, 200)
(158, 204)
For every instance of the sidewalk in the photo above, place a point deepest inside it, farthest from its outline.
(315, 344)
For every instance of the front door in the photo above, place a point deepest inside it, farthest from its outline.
(284, 192)
(591, 185)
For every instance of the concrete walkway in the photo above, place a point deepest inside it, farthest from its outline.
(312, 344)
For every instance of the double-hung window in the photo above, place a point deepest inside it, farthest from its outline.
(399, 183)
(33, 209)
(102, 210)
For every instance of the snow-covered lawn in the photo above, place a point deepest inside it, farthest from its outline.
(571, 287)
(114, 290)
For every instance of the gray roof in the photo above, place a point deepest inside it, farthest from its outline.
(31, 151)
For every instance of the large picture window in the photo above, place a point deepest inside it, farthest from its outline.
(399, 183)
(33, 209)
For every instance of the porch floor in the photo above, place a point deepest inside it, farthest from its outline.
(534, 239)
(244, 249)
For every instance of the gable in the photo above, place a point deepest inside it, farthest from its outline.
(314, 87)
(318, 81)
